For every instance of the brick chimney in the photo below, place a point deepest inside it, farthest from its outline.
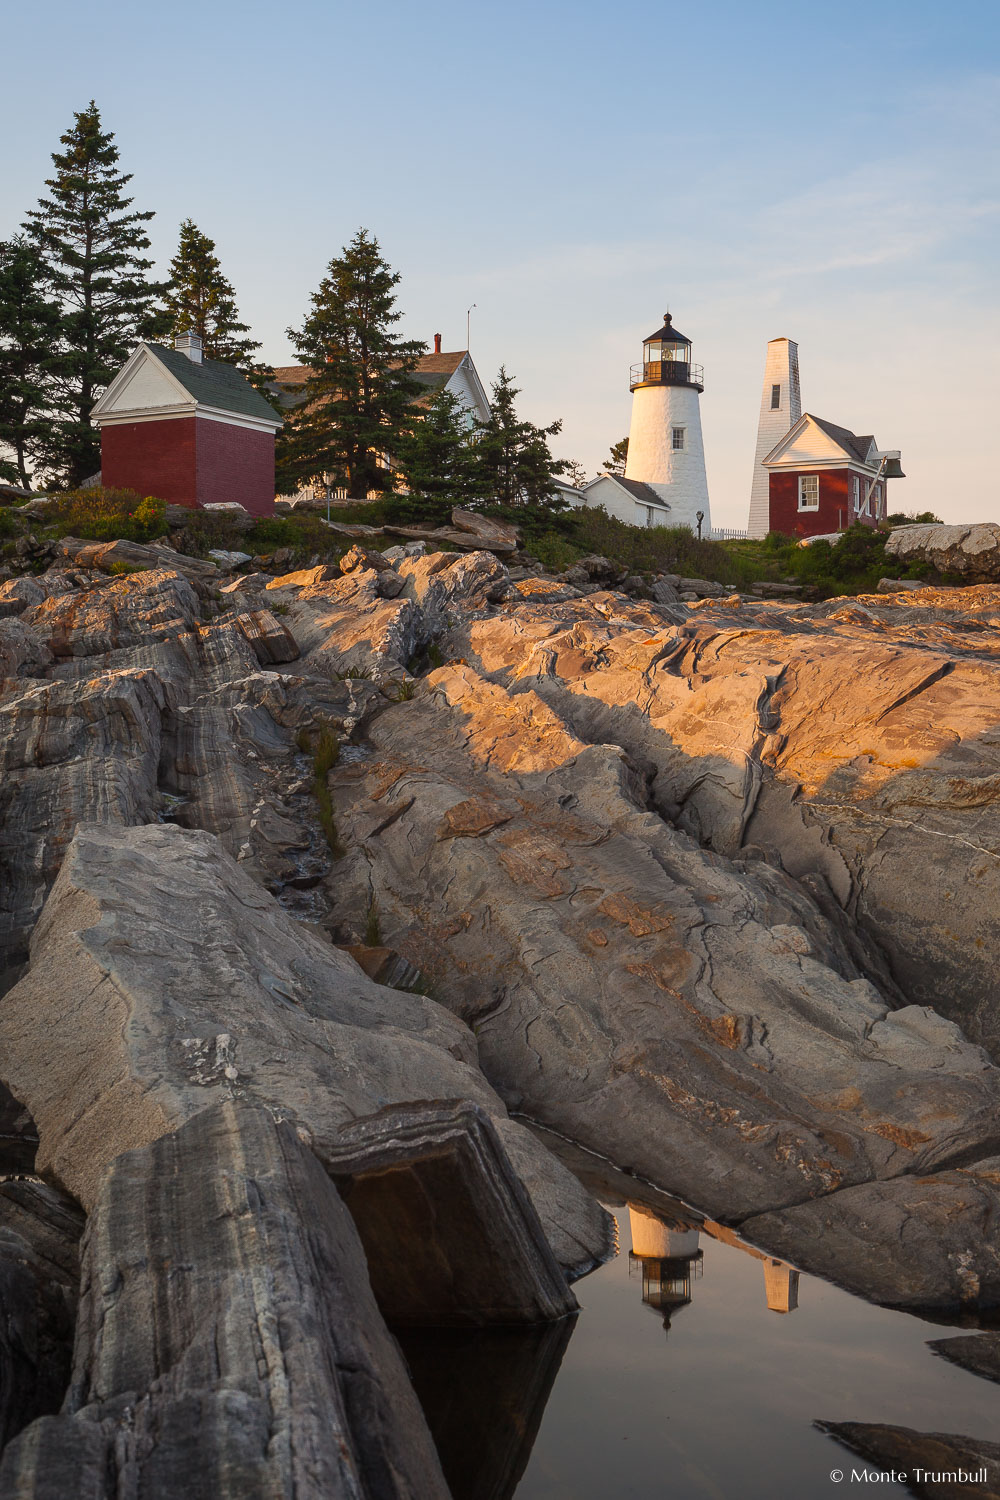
(437, 343)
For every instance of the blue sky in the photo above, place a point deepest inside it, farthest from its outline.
(826, 173)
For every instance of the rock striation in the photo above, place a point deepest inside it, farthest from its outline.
(708, 886)
(267, 1370)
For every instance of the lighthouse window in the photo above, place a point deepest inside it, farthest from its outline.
(808, 492)
(775, 397)
(678, 437)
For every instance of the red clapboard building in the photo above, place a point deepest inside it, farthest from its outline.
(823, 478)
(188, 430)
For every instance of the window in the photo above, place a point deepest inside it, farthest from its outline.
(678, 438)
(649, 516)
(857, 493)
(775, 397)
(808, 492)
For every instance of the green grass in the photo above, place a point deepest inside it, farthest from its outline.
(325, 752)
(104, 515)
(853, 564)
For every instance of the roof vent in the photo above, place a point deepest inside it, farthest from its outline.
(190, 344)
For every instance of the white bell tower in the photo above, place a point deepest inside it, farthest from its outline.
(780, 409)
(665, 447)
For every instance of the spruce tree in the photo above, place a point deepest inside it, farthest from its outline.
(513, 462)
(436, 458)
(200, 299)
(93, 243)
(29, 344)
(615, 464)
(356, 404)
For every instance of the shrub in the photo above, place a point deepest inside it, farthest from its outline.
(8, 526)
(106, 515)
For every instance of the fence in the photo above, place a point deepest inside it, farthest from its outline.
(727, 534)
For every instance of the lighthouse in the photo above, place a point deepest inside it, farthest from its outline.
(665, 449)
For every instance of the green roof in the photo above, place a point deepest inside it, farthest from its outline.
(213, 383)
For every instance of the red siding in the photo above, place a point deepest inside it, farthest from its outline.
(152, 458)
(191, 461)
(235, 463)
(836, 499)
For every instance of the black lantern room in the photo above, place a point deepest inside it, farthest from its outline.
(666, 360)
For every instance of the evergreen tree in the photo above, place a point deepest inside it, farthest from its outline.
(437, 456)
(619, 457)
(29, 343)
(93, 243)
(200, 299)
(356, 404)
(513, 462)
(576, 473)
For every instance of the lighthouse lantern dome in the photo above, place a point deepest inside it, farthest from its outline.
(666, 359)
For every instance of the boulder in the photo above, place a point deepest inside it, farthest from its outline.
(956, 1468)
(971, 551)
(486, 1259)
(359, 558)
(177, 516)
(12, 494)
(702, 1024)
(120, 556)
(39, 1244)
(228, 559)
(898, 585)
(849, 743)
(272, 643)
(303, 577)
(912, 1242)
(979, 1352)
(164, 979)
(230, 510)
(492, 535)
(226, 1309)
(17, 594)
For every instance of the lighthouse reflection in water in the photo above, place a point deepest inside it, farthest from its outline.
(667, 1254)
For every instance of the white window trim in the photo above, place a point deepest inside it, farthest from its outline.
(682, 447)
(812, 505)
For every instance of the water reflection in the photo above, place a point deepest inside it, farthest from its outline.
(666, 1251)
(668, 1257)
(483, 1393)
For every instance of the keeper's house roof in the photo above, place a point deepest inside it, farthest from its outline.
(432, 372)
(158, 380)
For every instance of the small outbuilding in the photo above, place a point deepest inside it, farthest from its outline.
(189, 430)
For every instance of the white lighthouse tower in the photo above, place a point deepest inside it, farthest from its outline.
(665, 448)
(780, 409)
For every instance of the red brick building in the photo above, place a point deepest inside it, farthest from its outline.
(823, 478)
(188, 430)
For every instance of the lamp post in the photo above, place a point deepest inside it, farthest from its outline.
(699, 517)
(468, 327)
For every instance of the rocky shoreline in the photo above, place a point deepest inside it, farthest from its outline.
(708, 886)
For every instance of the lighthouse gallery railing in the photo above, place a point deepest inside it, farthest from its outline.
(667, 372)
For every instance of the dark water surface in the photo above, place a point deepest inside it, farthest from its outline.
(718, 1405)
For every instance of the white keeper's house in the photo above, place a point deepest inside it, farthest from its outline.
(448, 370)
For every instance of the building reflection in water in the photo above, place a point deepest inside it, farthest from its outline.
(667, 1254)
(666, 1251)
